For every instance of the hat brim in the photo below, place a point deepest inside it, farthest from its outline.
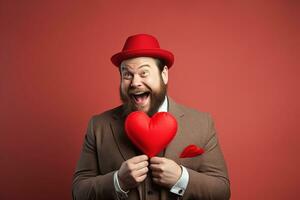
(167, 56)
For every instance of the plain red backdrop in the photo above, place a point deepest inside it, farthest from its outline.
(238, 60)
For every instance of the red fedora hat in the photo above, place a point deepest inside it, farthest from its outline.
(142, 45)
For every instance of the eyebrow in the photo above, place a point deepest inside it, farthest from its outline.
(143, 65)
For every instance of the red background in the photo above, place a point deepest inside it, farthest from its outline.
(238, 60)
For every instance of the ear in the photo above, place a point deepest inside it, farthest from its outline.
(164, 75)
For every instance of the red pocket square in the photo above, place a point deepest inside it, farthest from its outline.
(191, 151)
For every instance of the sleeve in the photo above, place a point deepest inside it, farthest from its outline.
(181, 184)
(88, 182)
(119, 191)
(210, 181)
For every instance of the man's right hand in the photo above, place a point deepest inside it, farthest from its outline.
(132, 172)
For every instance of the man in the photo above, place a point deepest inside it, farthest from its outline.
(111, 167)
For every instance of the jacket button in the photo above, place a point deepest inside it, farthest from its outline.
(180, 191)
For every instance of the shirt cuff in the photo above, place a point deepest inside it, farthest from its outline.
(180, 186)
(120, 193)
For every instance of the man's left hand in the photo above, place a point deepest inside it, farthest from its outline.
(165, 172)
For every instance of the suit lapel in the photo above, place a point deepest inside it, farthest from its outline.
(125, 146)
(174, 149)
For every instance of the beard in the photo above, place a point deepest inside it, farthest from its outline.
(156, 99)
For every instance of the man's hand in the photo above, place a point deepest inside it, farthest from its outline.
(165, 172)
(132, 172)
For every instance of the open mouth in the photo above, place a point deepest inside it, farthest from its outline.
(140, 98)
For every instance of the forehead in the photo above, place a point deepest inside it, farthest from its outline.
(136, 63)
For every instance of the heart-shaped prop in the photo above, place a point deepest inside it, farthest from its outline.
(150, 135)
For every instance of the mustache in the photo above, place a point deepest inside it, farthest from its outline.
(134, 91)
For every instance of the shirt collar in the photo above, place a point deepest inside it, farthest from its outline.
(164, 106)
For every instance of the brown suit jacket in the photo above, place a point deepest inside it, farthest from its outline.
(106, 146)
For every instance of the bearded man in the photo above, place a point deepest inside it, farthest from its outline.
(111, 167)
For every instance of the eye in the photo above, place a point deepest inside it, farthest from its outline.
(144, 73)
(127, 75)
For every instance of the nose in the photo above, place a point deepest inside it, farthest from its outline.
(136, 81)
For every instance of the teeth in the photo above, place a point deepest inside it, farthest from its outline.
(139, 93)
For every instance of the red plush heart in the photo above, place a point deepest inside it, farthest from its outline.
(150, 135)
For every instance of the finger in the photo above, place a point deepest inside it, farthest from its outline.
(156, 160)
(138, 159)
(141, 172)
(141, 165)
(155, 167)
(141, 178)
